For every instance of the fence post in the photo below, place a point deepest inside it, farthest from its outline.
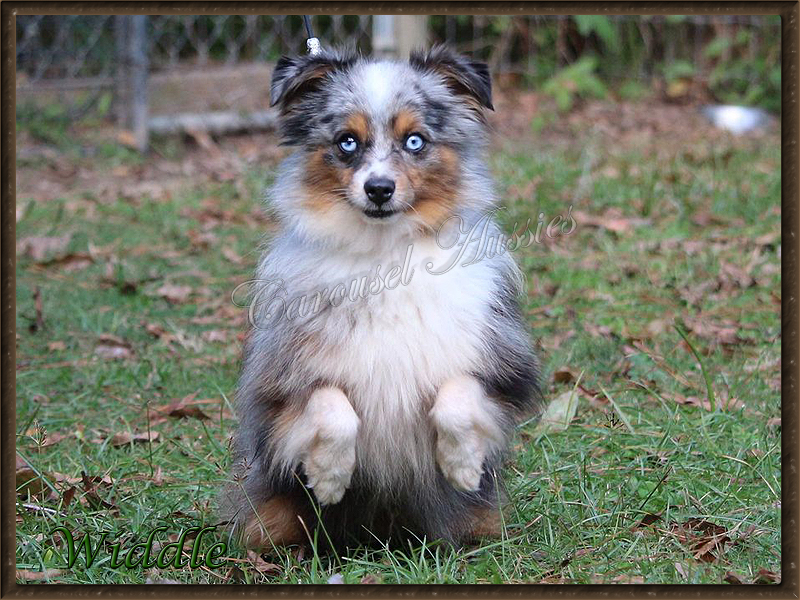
(137, 46)
(122, 100)
(383, 42)
(411, 33)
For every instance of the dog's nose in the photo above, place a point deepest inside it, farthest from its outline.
(379, 189)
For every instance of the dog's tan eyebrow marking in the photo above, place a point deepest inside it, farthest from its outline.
(405, 122)
(358, 124)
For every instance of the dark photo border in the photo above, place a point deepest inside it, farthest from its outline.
(788, 11)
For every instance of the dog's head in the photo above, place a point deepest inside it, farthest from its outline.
(382, 142)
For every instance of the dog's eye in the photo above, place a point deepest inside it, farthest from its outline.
(348, 144)
(415, 142)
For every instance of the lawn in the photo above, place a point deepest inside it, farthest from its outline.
(658, 318)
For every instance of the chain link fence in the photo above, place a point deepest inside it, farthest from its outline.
(201, 65)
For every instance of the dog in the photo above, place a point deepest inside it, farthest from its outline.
(380, 416)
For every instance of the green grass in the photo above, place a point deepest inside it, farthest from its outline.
(602, 303)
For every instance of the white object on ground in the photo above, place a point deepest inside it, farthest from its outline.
(736, 119)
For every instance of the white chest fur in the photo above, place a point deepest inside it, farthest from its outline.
(394, 349)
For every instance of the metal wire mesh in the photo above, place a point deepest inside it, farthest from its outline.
(92, 53)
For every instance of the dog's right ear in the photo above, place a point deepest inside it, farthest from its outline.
(296, 76)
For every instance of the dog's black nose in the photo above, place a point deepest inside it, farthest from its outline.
(379, 189)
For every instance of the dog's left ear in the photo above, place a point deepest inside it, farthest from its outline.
(464, 76)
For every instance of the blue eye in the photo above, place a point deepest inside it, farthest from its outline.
(414, 142)
(348, 144)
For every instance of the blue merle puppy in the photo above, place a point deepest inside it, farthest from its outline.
(381, 414)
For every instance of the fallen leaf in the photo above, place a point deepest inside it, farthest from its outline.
(113, 347)
(232, 256)
(725, 332)
(186, 407)
(733, 277)
(702, 538)
(646, 520)
(215, 335)
(262, 566)
(370, 579)
(202, 240)
(125, 437)
(70, 262)
(681, 571)
(765, 577)
(27, 480)
(564, 375)
(40, 247)
(25, 575)
(612, 220)
(774, 423)
(732, 578)
(175, 294)
(558, 414)
(56, 346)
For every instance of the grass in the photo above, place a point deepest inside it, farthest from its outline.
(666, 299)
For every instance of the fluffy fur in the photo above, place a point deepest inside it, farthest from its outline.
(384, 416)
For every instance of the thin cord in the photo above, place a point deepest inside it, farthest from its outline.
(309, 30)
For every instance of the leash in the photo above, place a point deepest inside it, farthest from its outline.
(312, 43)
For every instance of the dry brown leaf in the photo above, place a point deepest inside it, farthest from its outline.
(215, 335)
(70, 262)
(724, 332)
(202, 240)
(175, 294)
(56, 346)
(28, 481)
(40, 247)
(612, 220)
(232, 256)
(26, 575)
(702, 538)
(732, 578)
(646, 521)
(732, 277)
(124, 438)
(774, 423)
(564, 375)
(113, 347)
(764, 577)
(186, 407)
(260, 565)
(370, 579)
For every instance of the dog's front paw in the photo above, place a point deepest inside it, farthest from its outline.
(330, 457)
(467, 430)
(461, 460)
(329, 468)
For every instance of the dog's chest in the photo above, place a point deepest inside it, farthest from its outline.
(393, 349)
